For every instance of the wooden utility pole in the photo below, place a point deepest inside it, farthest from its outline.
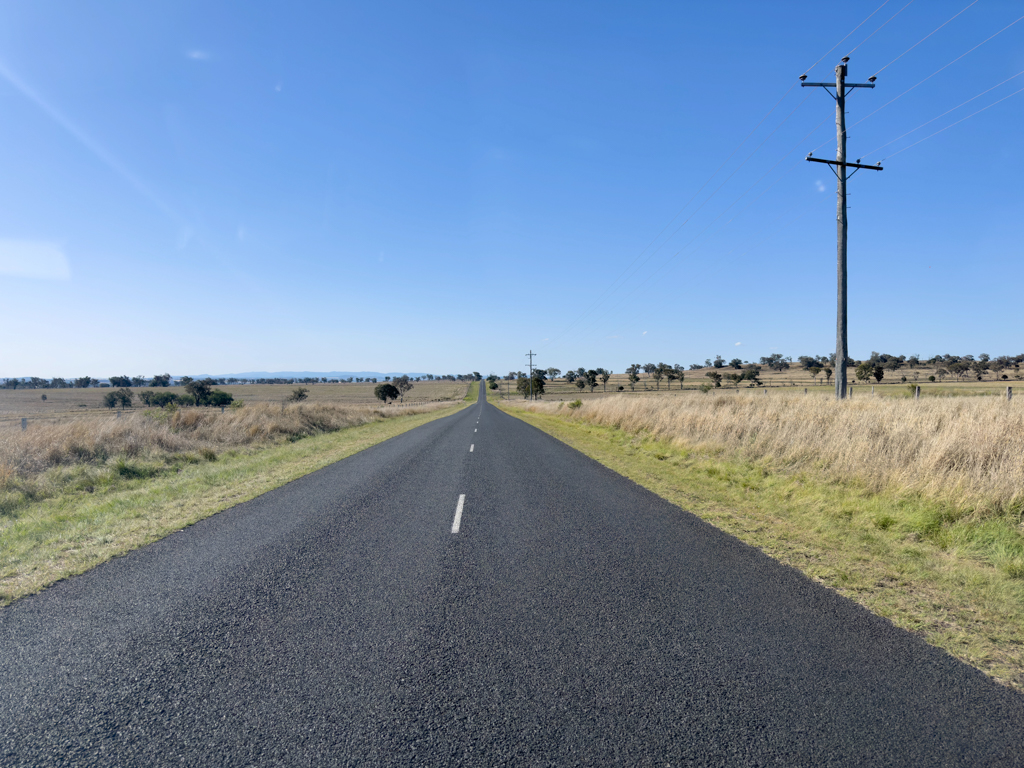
(530, 355)
(839, 166)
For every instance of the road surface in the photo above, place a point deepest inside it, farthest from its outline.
(574, 618)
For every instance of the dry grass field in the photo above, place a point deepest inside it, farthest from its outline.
(966, 452)
(794, 378)
(60, 403)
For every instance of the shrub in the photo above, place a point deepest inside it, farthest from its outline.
(219, 398)
(298, 395)
(575, 404)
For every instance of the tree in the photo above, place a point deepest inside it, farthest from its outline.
(200, 390)
(300, 394)
(634, 375)
(403, 385)
(959, 368)
(387, 392)
(84, 382)
(580, 382)
(523, 386)
(864, 370)
(161, 380)
(736, 378)
(828, 374)
(120, 381)
(592, 379)
(715, 376)
(138, 381)
(554, 373)
(736, 363)
(719, 362)
(680, 374)
(605, 375)
(941, 373)
(879, 373)
(658, 373)
(649, 368)
(58, 383)
(776, 362)
(815, 371)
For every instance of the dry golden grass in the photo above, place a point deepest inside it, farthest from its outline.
(62, 403)
(968, 452)
(156, 433)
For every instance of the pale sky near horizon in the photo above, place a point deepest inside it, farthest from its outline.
(235, 186)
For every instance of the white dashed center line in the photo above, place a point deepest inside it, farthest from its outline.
(458, 513)
(471, 448)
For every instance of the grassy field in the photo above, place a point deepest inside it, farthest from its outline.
(794, 378)
(16, 404)
(912, 509)
(76, 492)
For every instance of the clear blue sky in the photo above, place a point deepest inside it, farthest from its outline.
(219, 187)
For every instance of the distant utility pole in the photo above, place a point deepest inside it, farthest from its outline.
(530, 355)
(839, 166)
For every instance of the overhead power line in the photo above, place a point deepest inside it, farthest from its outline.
(933, 74)
(937, 117)
(847, 35)
(924, 38)
(929, 77)
(626, 273)
(956, 123)
(879, 29)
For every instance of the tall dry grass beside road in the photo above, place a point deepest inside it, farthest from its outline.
(965, 452)
(153, 434)
(48, 451)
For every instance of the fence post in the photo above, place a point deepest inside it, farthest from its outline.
(872, 389)
(805, 390)
(1009, 394)
(849, 393)
(117, 414)
(222, 409)
(917, 392)
(24, 424)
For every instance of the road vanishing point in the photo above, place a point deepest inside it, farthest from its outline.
(475, 593)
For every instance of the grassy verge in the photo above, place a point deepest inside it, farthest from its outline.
(78, 529)
(939, 584)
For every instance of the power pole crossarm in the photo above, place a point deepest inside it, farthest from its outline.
(875, 167)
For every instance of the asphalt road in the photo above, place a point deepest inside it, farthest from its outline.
(573, 619)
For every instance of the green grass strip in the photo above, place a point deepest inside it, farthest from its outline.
(839, 534)
(75, 531)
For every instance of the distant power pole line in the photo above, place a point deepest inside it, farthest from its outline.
(839, 166)
(530, 355)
